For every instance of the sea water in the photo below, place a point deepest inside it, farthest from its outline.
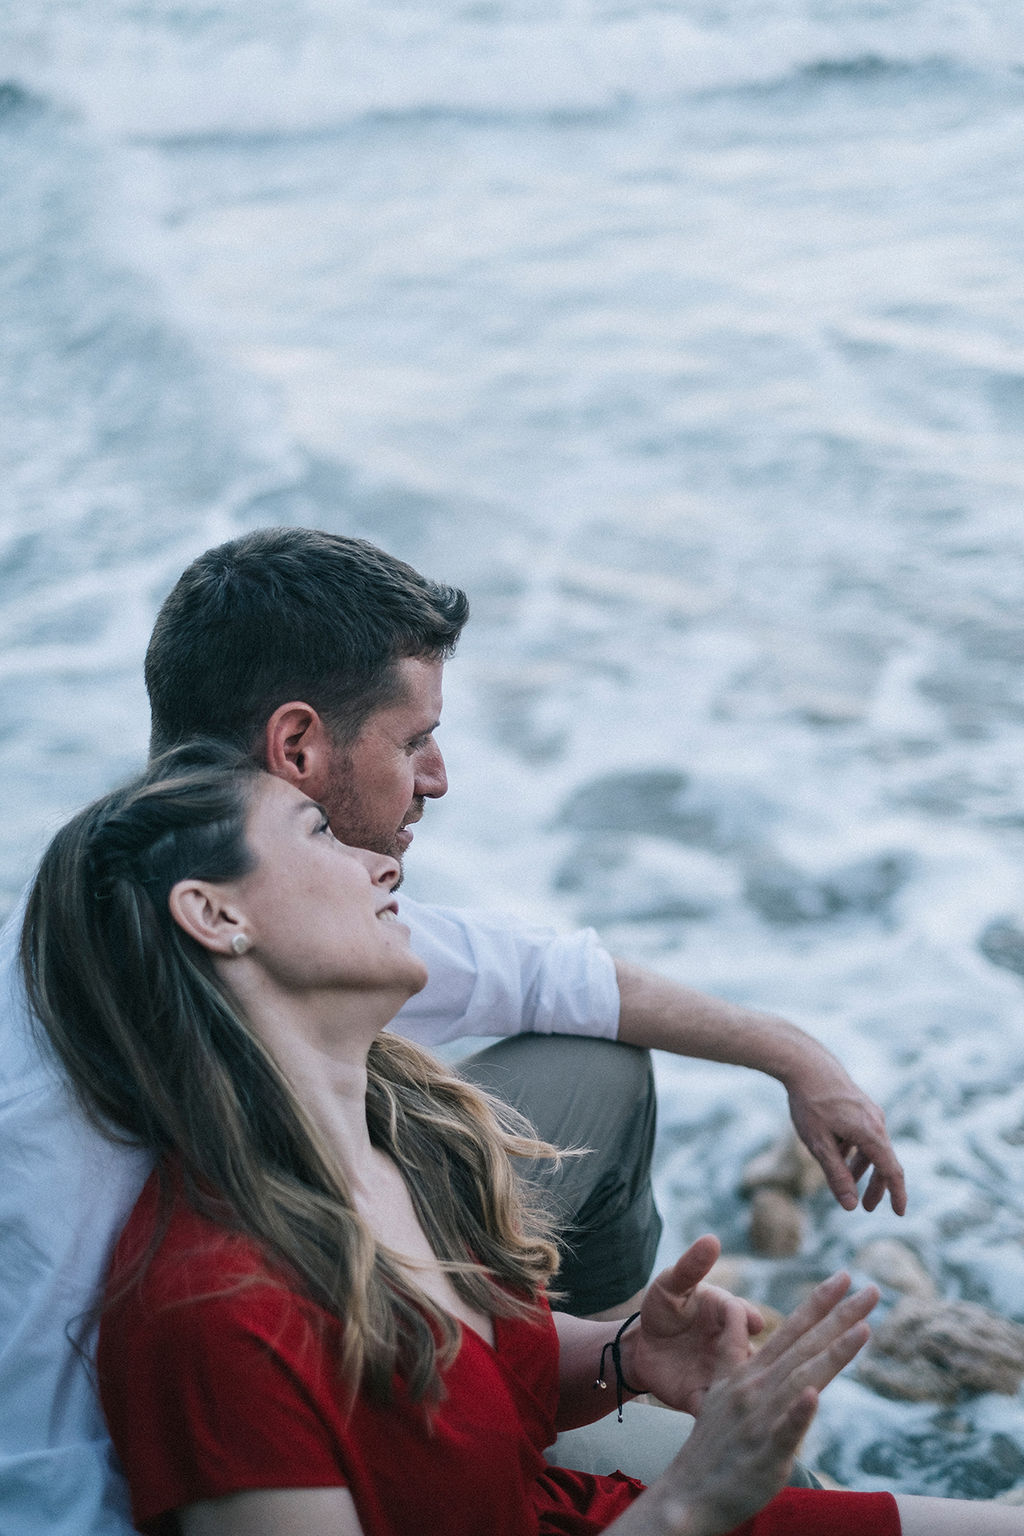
(689, 338)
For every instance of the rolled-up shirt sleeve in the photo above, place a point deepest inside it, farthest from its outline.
(490, 975)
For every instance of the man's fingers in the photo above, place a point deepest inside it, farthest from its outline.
(889, 1172)
(842, 1177)
(838, 1176)
(875, 1193)
(846, 1134)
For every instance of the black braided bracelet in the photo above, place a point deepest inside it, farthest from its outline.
(621, 1384)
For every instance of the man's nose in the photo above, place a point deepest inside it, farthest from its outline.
(431, 777)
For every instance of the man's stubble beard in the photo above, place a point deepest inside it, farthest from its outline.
(353, 823)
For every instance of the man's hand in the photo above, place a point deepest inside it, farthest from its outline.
(845, 1131)
(688, 1334)
(839, 1124)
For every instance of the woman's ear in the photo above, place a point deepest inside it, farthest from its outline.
(298, 746)
(202, 911)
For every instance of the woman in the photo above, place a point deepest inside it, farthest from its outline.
(327, 1312)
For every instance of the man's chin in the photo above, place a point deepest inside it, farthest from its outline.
(403, 837)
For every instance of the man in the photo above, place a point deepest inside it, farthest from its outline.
(323, 656)
(329, 661)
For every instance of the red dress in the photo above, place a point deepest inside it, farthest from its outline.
(210, 1394)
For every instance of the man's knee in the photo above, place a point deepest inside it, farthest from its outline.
(575, 1090)
(579, 1092)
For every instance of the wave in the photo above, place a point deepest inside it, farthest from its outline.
(146, 75)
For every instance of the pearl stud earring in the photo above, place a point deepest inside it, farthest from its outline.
(241, 944)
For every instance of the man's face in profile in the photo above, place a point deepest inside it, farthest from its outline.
(377, 785)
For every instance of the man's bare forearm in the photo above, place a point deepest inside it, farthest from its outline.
(665, 1016)
(839, 1124)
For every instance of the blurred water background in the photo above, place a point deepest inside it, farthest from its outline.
(689, 338)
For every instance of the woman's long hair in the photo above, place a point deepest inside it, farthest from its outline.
(160, 1053)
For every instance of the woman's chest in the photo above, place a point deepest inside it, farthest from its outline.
(392, 1217)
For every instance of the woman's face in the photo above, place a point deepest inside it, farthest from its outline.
(320, 915)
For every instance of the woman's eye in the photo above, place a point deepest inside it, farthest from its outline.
(325, 826)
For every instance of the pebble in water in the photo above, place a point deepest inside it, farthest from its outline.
(892, 1263)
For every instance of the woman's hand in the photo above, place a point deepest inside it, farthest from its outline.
(688, 1334)
(753, 1417)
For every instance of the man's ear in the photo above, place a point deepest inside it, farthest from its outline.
(202, 911)
(298, 747)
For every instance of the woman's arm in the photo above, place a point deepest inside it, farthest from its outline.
(274, 1512)
(681, 1341)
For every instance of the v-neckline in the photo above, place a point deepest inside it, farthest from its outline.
(476, 1334)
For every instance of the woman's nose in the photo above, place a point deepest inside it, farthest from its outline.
(384, 870)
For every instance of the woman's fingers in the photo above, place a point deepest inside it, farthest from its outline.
(670, 1292)
(752, 1419)
(732, 1347)
(816, 1306)
(827, 1312)
(794, 1423)
(816, 1356)
(755, 1319)
(825, 1366)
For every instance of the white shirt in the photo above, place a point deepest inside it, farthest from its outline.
(66, 1191)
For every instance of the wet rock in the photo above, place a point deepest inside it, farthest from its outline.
(934, 1350)
(1002, 942)
(911, 1381)
(788, 1166)
(784, 894)
(625, 880)
(957, 1461)
(646, 801)
(776, 1224)
(664, 802)
(892, 1263)
(15, 98)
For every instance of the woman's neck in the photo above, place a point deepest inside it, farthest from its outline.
(321, 1041)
